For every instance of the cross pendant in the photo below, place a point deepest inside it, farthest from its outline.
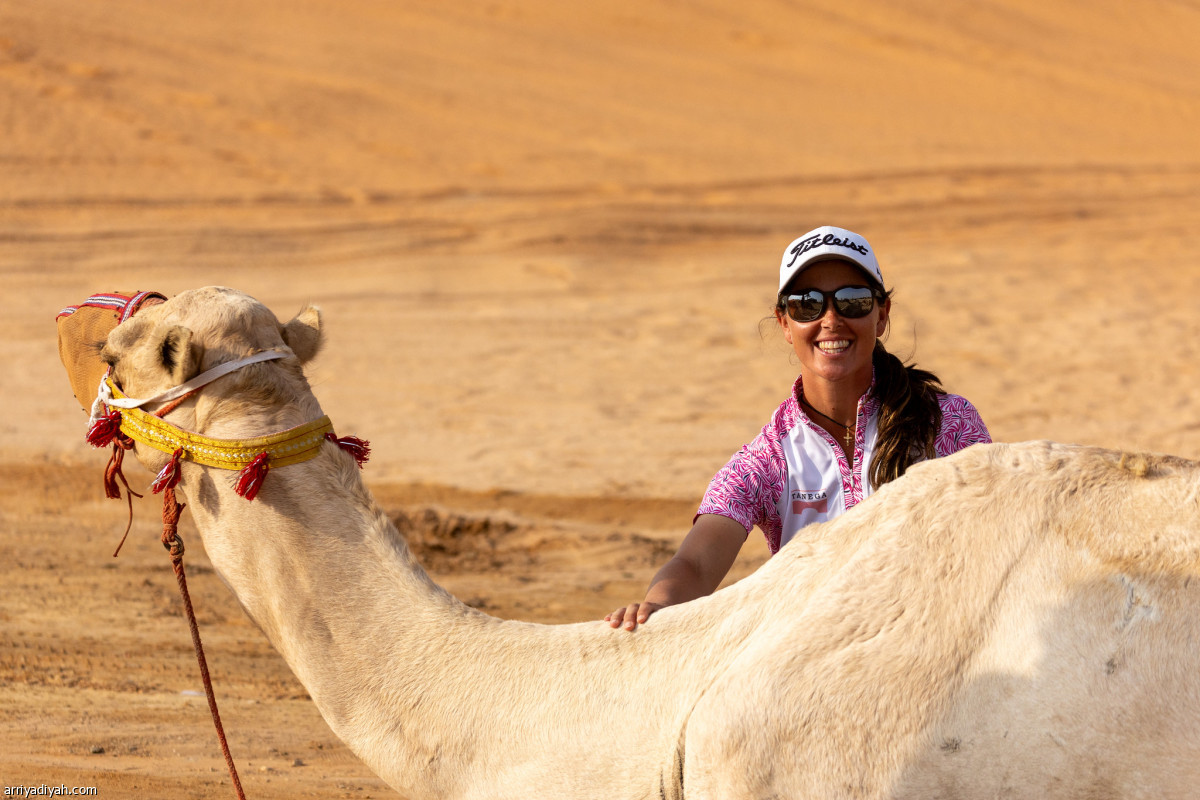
(849, 437)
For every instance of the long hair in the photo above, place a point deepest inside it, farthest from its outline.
(910, 415)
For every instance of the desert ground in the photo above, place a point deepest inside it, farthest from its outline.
(544, 237)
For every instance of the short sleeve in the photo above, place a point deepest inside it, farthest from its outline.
(747, 489)
(961, 426)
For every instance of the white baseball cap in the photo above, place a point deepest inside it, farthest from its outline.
(823, 244)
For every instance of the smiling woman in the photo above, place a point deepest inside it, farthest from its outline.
(856, 418)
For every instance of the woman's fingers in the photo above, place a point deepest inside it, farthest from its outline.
(646, 610)
(616, 618)
(632, 615)
(626, 616)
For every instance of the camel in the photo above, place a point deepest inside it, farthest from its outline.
(1012, 621)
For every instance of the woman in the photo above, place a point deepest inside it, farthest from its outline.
(856, 419)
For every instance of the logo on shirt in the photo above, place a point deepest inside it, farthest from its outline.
(818, 501)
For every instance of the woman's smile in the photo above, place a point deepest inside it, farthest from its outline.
(833, 346)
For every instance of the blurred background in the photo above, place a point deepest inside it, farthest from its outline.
(545, 237)
(544, 234)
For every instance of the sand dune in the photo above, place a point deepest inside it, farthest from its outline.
(324, 100)
(544, 237)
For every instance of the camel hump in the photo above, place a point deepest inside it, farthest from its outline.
(1135, 511)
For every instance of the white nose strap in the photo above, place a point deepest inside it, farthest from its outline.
(104, 394)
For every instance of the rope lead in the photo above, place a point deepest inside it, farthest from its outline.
(171, 540)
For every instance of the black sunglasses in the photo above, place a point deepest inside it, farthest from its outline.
(851, 302)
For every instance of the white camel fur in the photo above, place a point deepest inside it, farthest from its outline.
(1015, 620)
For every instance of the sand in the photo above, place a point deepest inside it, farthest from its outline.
(544, 238)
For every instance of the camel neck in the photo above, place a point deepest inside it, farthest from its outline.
(423, 688)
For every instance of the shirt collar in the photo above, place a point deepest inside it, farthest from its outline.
(868, 404)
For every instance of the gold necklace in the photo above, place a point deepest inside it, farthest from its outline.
(848, 436)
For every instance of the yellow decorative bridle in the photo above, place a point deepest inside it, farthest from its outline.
(118, 419)
(286, 447)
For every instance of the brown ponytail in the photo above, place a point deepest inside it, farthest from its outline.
(909, 416)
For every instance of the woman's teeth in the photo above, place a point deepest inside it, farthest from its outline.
(834, 347)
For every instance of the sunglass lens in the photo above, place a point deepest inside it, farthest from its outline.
(806, 307)
(853, 302)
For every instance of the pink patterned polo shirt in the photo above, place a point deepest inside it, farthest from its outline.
(794, 473)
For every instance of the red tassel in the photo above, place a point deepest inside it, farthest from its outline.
(251, 478)
(113, 473)
(170, 474)
(104, 430)
(360, 449)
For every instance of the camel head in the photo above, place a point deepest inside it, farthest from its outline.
(165, 345)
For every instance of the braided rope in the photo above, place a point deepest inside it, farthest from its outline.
(171, 540)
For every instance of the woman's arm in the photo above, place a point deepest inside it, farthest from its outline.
(696, 570)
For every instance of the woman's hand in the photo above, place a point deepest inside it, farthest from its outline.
(703, 560)
(632, 615)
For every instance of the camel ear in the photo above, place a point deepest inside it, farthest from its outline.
(180, 356)
(303, 334)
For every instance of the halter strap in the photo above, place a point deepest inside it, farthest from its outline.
(105, 394)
